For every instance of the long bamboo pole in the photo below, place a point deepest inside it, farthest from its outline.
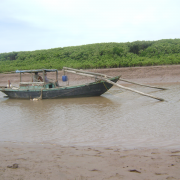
(85, 72)
(118, 85)
(104, 75)
(129, 89)
(81, 74)
(142, 84)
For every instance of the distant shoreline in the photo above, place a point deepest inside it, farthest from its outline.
(145, 74)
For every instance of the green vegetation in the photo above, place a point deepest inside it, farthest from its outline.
(102, 55)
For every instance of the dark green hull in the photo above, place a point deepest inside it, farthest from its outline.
(86, 90)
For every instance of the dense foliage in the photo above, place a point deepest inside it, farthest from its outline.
(102, 55)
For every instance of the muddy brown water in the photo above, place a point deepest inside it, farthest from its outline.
(118, 118)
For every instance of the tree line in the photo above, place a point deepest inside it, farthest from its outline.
(100, 55)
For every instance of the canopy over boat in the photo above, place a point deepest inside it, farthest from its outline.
(36, 70)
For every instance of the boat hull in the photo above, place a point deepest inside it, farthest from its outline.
(86, 90)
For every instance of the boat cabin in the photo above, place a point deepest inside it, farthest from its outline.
(40, 82)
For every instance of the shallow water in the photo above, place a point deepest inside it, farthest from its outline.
(118, 118)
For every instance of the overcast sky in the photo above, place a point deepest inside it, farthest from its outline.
(27, 25)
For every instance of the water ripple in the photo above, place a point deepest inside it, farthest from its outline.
(116, 118)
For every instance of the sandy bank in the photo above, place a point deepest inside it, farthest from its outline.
(45, 161)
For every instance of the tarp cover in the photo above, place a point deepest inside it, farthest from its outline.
(36, 70)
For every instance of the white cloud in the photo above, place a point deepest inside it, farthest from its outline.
(58, 23)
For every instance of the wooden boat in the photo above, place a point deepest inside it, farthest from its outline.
(50, 90)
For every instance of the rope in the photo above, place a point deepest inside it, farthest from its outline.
(105, 87)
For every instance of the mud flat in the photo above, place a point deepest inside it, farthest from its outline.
(45, 161)
(148, 74)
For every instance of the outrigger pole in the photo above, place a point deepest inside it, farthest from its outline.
(142, 84)
(76, 70)
(104, 77)
(133, 90)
